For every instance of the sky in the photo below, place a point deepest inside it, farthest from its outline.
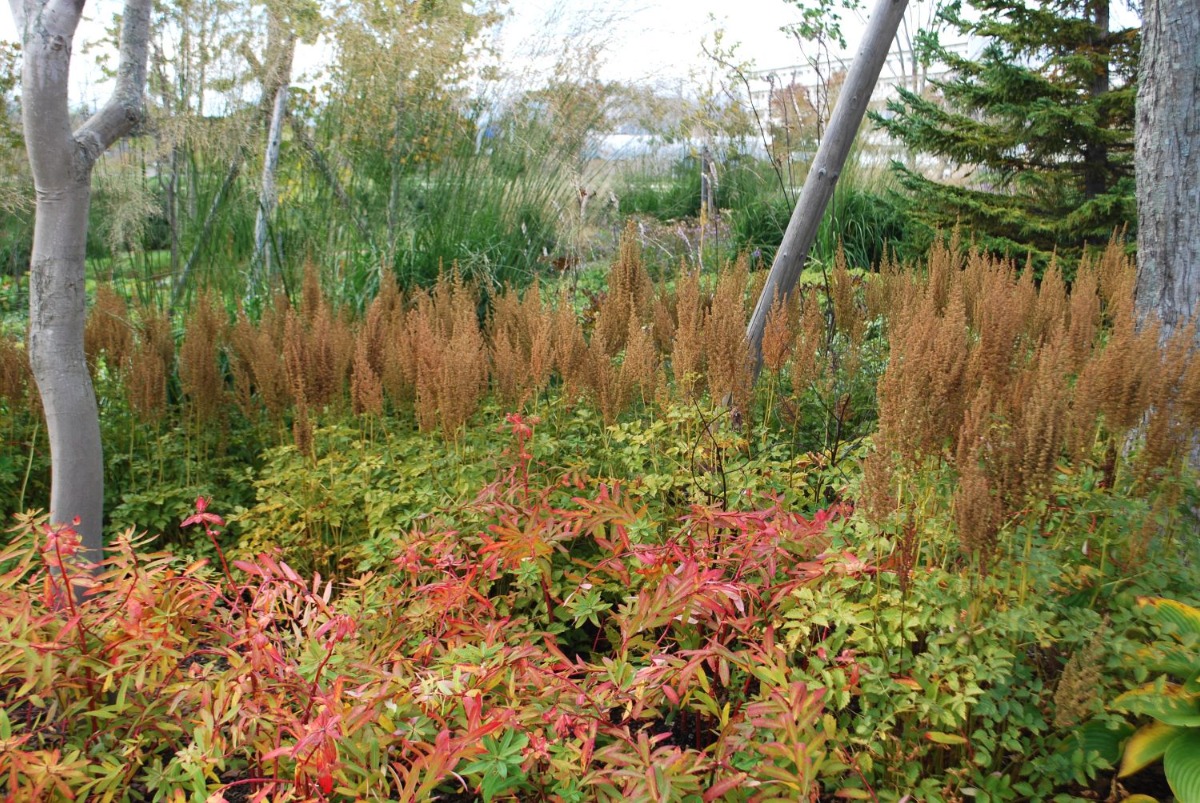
(661, 39)
(657, 41)
(646, 41)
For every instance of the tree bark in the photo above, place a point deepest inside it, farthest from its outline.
(62, 163)
(826, 167)
(282, 41)
(1167, 162)
(1096, 167)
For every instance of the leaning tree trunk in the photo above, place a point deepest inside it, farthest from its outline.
(1167, 161)
(62, 163)
(826, 167)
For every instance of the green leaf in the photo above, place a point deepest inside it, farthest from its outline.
(1182, 765)
(1101, 738)
(1147, 746)
(945, 738)
(1184, 618)
(1173, 659)
(1164, 702)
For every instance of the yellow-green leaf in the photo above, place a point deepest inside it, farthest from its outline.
(1147, 746)
(1169, 611)
(945, 738)
(1164, 702)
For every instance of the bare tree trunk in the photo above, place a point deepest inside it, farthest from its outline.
(278, 83)
(1096, 167)
(1167, 161)
(826, 166)
(62, 163)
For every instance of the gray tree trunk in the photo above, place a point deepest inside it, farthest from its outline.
(62, 162)
(278, 82)
(826, 166)
(1167, 161)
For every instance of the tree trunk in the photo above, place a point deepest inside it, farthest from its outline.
(1167, 161)
(62, 163)
(1096, 167)
(277, 83)
(826, 167)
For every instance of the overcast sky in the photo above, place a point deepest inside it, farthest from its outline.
(646, 40)
(655, 41)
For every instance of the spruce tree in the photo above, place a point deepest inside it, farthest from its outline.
(1042, 121)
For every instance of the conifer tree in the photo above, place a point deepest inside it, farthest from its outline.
(1041, 121)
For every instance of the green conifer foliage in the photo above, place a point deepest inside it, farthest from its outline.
(1043, 121)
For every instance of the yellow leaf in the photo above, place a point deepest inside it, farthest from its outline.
(1147, 746)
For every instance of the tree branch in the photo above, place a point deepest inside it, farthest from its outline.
(125, 107)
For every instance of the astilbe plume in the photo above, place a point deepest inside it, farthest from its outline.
(630, 294)
(399, 369)
(921, 393)
(1116, 278)
(687, 351)
(639, 366)
(330, 354)
(1000, 313)
(663, 320)
(539, 322)
(507, 355)
(1121, 374)
(1038, 403)
(946, 262)
(847, 316)
(606, 384)
(810, 342)
(1075, 698)
(150, 364)
(366, 388)
(452, 370)
(883, 290)
(464, 377)
(258, 370)
(978, 508)
(778, 335)
(520, 343)
(108, 330)
(296, 364)
(1051, 310)
(311, 297)
(199, 371)
(1083, 316)
(375, 327)
(727, 355)
(570, 349)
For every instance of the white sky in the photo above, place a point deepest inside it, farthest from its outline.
(657, 41)
(661, 39)
(653, 41)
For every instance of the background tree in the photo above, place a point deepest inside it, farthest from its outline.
(1042, 121)
(62, 160)
(1168, 163)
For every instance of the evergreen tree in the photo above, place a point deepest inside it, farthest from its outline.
(1043, 120)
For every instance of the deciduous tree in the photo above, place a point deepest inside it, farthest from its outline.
(62, 160)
